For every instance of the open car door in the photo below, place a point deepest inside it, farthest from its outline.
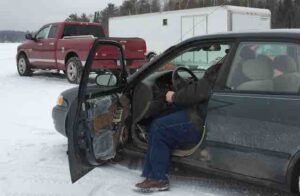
(96, 119)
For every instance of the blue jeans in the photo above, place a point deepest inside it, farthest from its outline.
(165, 134)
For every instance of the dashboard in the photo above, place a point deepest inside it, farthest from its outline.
(149, 95)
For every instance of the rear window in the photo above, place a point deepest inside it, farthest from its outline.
(77, 30)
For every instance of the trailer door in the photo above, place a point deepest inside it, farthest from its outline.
(193, 26)
(200, 25)
(187, 27)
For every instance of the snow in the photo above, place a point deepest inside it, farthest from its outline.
(33, 160)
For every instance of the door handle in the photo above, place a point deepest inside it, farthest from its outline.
(40, 44)
(51, 44)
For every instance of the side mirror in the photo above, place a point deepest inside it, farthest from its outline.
(29, 36)
(106, 79)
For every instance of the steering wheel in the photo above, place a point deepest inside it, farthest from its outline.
(179, 82)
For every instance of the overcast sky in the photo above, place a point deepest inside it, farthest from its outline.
(32, 14)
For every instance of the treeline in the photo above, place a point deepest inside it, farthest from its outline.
(12, 36)
(284, 12)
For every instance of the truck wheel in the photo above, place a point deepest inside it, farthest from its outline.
(23, 66)
(74, 70)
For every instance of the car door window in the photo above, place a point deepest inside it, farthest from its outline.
(265, 67)
(53, 31)
(43, 33)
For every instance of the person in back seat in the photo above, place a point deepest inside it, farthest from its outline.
(284, 64)
(286, 76)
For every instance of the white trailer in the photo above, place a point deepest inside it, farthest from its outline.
(164, 29)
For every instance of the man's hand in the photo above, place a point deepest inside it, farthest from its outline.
(169, 96)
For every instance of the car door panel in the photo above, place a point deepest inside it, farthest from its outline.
(105, 116)
(98, 133)
(244, 133)
(96, 121)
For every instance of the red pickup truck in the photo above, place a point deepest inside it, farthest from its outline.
(65, 46)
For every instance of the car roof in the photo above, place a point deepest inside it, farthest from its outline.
(274, 33)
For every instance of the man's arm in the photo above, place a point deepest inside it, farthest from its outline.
(195, 92)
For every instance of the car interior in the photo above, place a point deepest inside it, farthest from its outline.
(254, 68)
(148, 101)
(264, 67)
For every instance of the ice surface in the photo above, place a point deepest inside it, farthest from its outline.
(33, 159)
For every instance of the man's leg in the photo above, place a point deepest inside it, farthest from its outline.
(147, 170)
(165, 134)
(169, 132)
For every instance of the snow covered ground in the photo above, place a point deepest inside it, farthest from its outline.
(33, 159)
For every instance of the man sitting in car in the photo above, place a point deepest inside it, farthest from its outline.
(167, 132)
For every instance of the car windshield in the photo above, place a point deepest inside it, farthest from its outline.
(198, 58)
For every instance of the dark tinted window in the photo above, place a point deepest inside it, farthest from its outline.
(53, 31)
(77, 30)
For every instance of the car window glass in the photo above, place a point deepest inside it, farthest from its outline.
(266, 67)
(53, 31)
(43, 34)
(199, 58)
(79, 30)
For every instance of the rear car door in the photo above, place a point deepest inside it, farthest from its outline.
(253, 120)
(96, 120)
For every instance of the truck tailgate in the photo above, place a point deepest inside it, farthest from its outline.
(134, 48)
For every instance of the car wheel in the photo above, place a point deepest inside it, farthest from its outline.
(295, 181)
(23, 66)
(74, 70)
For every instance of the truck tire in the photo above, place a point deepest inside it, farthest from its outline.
(74, 70)
(23, 66)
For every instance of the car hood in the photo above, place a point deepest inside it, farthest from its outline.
(71, 94)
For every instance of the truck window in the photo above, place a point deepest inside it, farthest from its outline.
(43, 33)
(53, 31)
(77, 30)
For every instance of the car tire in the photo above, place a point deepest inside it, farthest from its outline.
(295, 186)
(73, 70)
(23, 66)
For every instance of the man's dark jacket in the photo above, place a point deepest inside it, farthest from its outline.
(196, 94)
